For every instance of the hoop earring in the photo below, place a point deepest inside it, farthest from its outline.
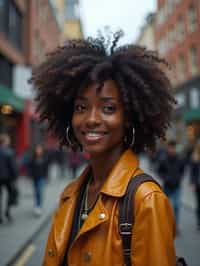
(72, 143)
(68, 137)
(133, 138)
(131, 144)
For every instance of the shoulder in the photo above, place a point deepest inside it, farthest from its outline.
(149, 193)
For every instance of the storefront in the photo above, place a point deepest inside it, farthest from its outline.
(188, 111)
(11, 113)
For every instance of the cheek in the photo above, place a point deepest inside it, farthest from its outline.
(117, 124)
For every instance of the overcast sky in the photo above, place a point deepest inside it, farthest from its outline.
(128, 15)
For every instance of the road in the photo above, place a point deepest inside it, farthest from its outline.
(32, 255)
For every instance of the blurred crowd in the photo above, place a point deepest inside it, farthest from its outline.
(170, 165)
(35, 164)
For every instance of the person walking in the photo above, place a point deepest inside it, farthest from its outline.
(171, 170)
(8, 176)
(194, 167)
(74, 162)
(38, 170)
(112, 103)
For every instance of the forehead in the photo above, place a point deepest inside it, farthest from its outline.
(108, 90)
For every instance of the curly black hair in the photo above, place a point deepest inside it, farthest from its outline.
(144, 86)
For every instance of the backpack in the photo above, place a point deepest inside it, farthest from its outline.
(126, 216)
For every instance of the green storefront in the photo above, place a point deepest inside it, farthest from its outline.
(11, 110)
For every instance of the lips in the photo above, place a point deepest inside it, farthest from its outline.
(92, 136)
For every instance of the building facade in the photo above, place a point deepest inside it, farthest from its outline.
(25, 38)
(177, 37)
(72, 24)
(147, 35)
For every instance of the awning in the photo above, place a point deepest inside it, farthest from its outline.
(191, 115)
(7, 96)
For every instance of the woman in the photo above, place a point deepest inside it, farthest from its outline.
(195, 179)
(111, 105)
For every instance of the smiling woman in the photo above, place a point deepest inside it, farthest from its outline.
(111, 103)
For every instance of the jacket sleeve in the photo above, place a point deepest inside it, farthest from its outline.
(153, 232)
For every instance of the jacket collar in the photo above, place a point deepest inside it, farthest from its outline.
(117, 181)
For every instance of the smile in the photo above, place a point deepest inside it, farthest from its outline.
(93, 136)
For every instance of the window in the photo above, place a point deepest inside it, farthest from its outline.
(11, 22)
(181, 68)
(15, 26)
(162, 46)
(3, 16)
(177, 2)
(161, 15)
(6, 70)
(194, 98)
(170, 6)
(193, 60)
(181, 29)
(192, 19)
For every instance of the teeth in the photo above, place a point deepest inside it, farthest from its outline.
(93, 134)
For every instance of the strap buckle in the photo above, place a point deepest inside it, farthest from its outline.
(125, 229)
(127, 252)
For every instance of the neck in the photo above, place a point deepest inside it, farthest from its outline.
(103, 164)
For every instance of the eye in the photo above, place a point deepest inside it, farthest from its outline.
(79, 107)
(109, 109)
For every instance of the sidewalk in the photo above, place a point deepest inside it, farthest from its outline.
(16, 235)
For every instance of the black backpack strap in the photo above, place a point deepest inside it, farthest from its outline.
(126, 213)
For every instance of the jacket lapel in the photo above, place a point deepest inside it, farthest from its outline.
(115, 186)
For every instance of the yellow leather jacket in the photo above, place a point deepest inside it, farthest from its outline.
(98, 242)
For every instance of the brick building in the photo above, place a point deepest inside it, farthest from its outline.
(28, 29)
(177, 36)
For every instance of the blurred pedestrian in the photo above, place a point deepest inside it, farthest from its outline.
(8, 176)
(171, 170)
(74, 162)
(38, 171)
(110, 103)
(195, 179)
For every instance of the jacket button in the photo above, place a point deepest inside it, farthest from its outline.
(102, 216)
(87, 256)
(51, 253)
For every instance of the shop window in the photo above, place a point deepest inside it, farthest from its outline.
(194, 98)
(193, 60)
(6, 72)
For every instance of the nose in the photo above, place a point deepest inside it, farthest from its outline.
(93, 118)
